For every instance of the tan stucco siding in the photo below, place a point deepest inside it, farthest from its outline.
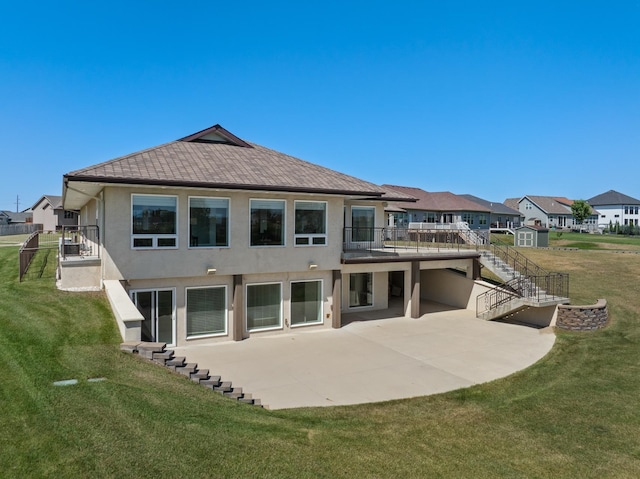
(121, 261)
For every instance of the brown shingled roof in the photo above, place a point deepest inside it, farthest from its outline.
(440, 201)
(226, 163)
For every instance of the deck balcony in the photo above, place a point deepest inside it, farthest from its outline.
(418, 239)
(79, 253)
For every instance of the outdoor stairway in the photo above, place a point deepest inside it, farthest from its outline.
(157, 353)
(525, 284)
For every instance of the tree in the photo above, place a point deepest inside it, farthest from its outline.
(580, 210)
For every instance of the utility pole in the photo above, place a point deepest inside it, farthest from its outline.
(17, 203)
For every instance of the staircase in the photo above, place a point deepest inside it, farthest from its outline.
(157, 353)
(525, 284)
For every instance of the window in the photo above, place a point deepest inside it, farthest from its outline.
(362, 222)
(154, 221)
(635, 210)
(206, 311)
(267, 222)
(467, 218)
(626, 210)
(306, 302)
(69, 215)
(360, 289)
(208, 222)
(482, 219)
(311, 223)
(264, 306)
(527, 206)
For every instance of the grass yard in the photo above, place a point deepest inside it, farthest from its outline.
(594, 241)
(573, 414)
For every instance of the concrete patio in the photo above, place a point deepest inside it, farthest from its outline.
(371, 360)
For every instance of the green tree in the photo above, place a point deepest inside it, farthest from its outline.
(580, 210)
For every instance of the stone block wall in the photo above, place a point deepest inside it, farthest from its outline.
(583, 318)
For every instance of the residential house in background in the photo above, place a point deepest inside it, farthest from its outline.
(502, 217)
(438, 208)
(49, 213)
(614, 208)
(212, 238)
(546, 211)
(14, 218)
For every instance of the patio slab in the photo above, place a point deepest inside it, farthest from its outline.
(374, 360)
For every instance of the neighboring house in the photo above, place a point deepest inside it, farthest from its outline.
(546, 211)
(441, 207)
(10, 217)
(49, 213)
(502, 217)
(614, 207)
(211, 238)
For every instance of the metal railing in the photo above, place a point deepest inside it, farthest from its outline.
(549, 287)
(516, 260)
(79, 241)
(444, 237)
(37, 242)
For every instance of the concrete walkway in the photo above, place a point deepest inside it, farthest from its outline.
(374, 360)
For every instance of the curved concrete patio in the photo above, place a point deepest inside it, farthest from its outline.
(373, 360)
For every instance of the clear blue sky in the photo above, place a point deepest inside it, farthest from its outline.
(496, 98)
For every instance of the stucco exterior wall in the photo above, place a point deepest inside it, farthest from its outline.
(123, 262)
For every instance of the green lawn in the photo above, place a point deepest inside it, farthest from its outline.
(574, 414)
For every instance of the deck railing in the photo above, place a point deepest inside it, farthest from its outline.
(80, 241)
(425, 236)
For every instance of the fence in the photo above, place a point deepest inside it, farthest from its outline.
(19, 229)
(37, 243)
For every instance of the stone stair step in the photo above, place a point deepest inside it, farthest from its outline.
(200, 375)
(187, 369)
(176, 362)
(146, 349)
(162, 357)
(212, 382)
(130, 346)
(223, 387)
(235, 393)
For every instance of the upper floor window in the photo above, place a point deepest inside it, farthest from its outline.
(208, 222)
(267, 222)
(482, 219)
(154, 220)
(311, 223)
(69, 215)
(626, 210)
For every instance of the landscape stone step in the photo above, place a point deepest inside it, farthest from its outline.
(235, 393)
(188, 369)
(223, 387)
(200, 375)
(212, 382)
(157, 353)
(162, 357)
(176, 362)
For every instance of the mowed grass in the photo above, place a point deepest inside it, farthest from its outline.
(594, 241)
(573, 414)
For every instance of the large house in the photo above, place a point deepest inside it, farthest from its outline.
(438, 207)
(502, 217)
(49, 213)
(616, 208)
(212, 238)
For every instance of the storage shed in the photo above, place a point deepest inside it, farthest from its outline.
(532, 236)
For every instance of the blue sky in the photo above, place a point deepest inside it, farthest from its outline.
(498, 98)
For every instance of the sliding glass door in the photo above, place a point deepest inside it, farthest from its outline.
(157, 307)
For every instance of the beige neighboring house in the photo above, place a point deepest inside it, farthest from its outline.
(49, 213)
(212, 238)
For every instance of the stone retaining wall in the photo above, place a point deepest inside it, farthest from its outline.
(583, 318)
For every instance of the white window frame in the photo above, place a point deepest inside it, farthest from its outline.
(284, 223)
(320, 299)
(226, 312)
(372, 291)
(310, 236)
(246, 308)
(228, 221)
(153, 237)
